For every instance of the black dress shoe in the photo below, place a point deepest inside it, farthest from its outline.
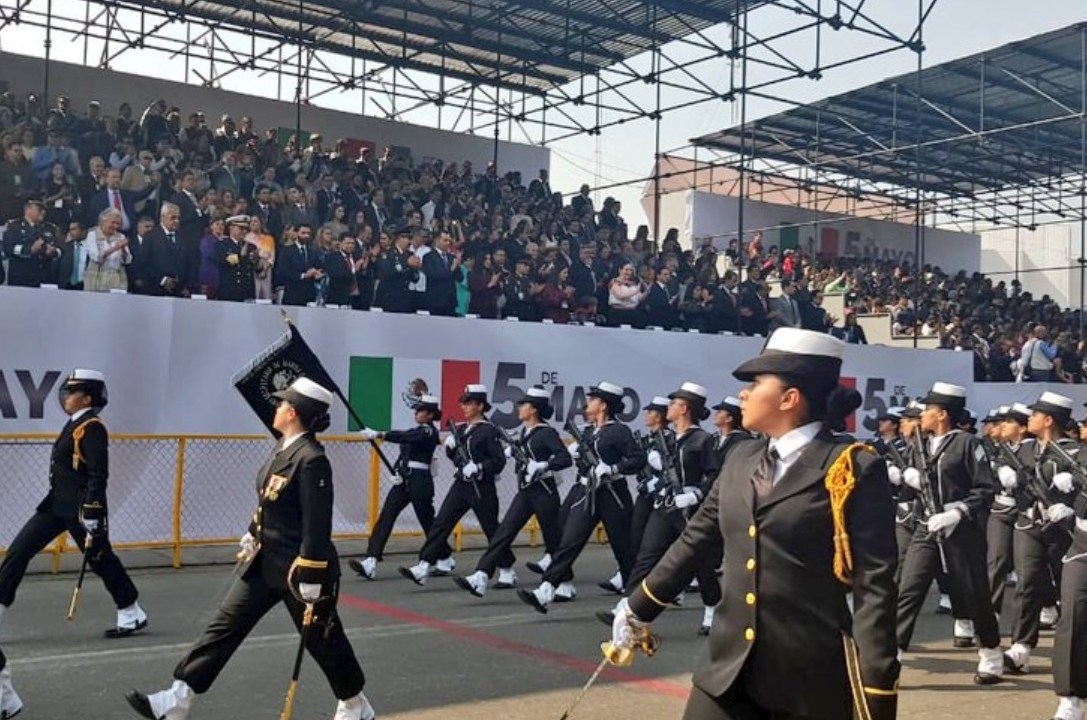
(534, 566)
(356, 565)
(140, 704)
(941, 610)
(117, 632)
(9, 716)
(529, 598)
(408, 574)
(987, 679)
(606, 585)
(463, 584)
(1011, 668)
(704, 631)
(963, 642)
(606, 616)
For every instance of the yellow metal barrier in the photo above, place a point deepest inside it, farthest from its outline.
(172, 492)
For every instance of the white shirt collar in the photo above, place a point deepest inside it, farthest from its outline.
(80, 413)
(936, 441)
(287, 442)
(790, 444)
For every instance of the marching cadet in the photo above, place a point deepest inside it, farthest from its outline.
(1069, 647)
(478, 456)
(540, 453)
(10, 704)
(32, 246)
(76, 503)
(894, 446)
(413, 484)
(287, 556)
(655, 417)
(601, 494)
(784, 644)
(1000, 529)
(1042, 536)
(683, 485)
(236, 260)
(728, 418)
(958, 479)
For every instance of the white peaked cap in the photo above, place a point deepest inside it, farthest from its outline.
(658, 400)
(536, 392)
(610, 388)
(955, 391)
(694, 389)
(307, 388)
(87, 374)
(1052, 398)
(429, 400)
(1019, 408)
(475, 389)
(805, 342)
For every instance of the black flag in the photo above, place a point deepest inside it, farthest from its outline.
(274, 369)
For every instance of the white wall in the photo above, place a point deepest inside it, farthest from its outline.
(83, 84)
(716, 215)
(1046, 260)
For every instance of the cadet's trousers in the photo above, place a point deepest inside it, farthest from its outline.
(1033, 550)
(643, 506)
(540, 498)
(36, 535)
(663, 528)
(479, 497)
(967, 578)
(613, 506)
(1070, 643)
(733, 705)
(418, 491)
(1000, 531)
(248, 600)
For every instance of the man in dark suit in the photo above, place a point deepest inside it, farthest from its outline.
(287, 557)
(328, 197)
(660, 306)
(192, 220)
(297, 213)
(298, 269)
(268, 213)
(784, 309)
(123, 201)
(32, 247)
(442, 272)
(343, 269)
(582, 276)
(725, 314)
(73, 258)
(784, 621)
(76, 504)
(140, 274)
(168, 261)
(375, 213)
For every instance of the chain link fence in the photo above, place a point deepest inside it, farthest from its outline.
(174, 492)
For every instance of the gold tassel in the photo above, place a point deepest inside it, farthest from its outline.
(77, 437)
(840, 483)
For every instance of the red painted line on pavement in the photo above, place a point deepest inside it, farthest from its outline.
(586, 667)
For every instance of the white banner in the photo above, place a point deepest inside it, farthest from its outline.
(168, 365)
(814, 232)
(987, 396)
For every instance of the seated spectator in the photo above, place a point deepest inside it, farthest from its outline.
(625, 295)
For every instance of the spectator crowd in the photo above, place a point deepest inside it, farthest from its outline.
(155, 203)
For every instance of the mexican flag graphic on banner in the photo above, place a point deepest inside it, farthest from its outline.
(384, 389)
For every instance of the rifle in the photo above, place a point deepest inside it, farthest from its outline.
(460, 453)
(645, 475)
(928, 499)
(673, 483)
(587, 462)
(520, 460)
(1079, 473)
(1034, 487)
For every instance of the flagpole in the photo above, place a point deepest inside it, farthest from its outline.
(343, 398)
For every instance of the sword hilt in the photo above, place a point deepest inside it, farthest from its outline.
(647, 642)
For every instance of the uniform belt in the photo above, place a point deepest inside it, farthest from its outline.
(1004, 500)
(1081, 524)
(416, 465)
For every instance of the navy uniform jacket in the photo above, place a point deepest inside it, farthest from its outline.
(293, 521)
(698, 466)
(235, 281)
(723, 445)
(1043, 463)
(484, 449)
(24, 268)
(393, 277)
(783, 629)
(542, 443)
(615, 445)
(418, 446)
(79, 470)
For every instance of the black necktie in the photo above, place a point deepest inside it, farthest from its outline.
(305, 259)
(763, 478)
(170, 237)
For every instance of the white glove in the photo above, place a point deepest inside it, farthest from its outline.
(450, 442)
(626, 626)
(248, 545)
(583, 481)
(1058, 512)
(508, 452)
(603, 470)
(686, 499)
(573, 448)
(310, 592)
(1008, 477)
(535, 467)
(894, 474)
(369, 434)
(944, 522)
(912, 477)
(91, 526)
(396, 480)
(652, 485)
(1062, 483)
(654, 459)
(471, 470)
